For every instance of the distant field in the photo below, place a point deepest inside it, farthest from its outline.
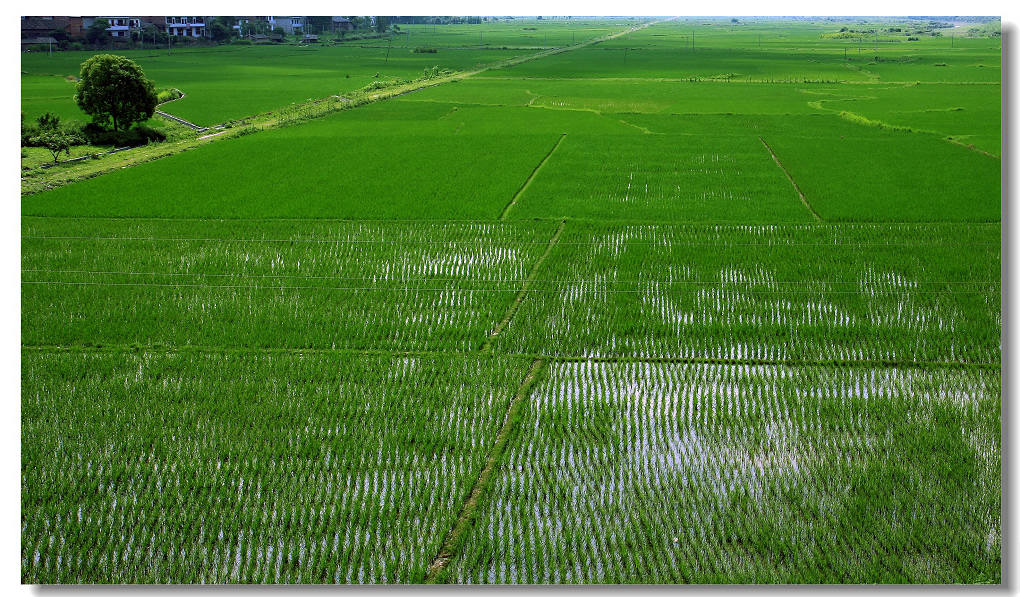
(792, 52)
(517, 33)
(714, 301)
(233, 82)
(347, 171)
(609, 166)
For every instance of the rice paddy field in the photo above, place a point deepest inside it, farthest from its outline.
(683, 301)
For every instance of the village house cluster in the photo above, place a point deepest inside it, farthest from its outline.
(52, 29)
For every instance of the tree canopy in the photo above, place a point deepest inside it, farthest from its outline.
(114, 90)
(96, 32)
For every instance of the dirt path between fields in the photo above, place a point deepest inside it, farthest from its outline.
(514, 306)
(527, 182)
(796, 187)
(468, 513)
(282, 116)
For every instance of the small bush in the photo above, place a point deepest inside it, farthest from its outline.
(27, 133)
(376, 85)
(167, 95)
(424, 50)
(48, 121)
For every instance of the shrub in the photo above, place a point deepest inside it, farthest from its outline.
(48, 121)
(424, 50)
(138, 135)
(27, 133)
(376, 85)
(57, 141)
(167, 95)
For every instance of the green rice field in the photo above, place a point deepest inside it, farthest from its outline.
(661, 301)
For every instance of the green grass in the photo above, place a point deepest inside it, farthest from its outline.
(342, 166)
(859, 293)
(232, 82)
(791, 52)
(624, 96)
(662, 473)
(264, 284)
(226, 468)
(658, 177)
(518, 33)
(854, 173)
(967, 113)
(563, 322)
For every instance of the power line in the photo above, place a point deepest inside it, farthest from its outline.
(425, 278)
(514, 289)
(509, 243)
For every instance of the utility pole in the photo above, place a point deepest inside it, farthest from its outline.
(625, 56)
(388, 50)
(692, 40)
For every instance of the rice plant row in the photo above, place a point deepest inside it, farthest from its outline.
(667, 473)
(354, 285)
(896, 294)
(162, 468)
(708, 177)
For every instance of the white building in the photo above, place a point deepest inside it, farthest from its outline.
(186, 26)
(121, 26)
(290, 25)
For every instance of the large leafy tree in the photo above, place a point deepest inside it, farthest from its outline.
(255, 28)
(221, 28)
(318, 24)
(96, 33)
(114, 90)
